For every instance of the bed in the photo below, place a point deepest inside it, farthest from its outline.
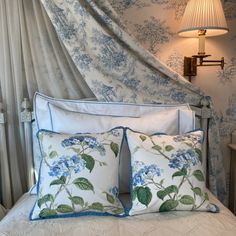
(17, 222)
(172, 223)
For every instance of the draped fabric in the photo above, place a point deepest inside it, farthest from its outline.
(93, 56)
(31, 59)
(116, 68)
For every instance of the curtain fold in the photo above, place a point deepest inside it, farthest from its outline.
(82, 52)
(116, 68)
(31, 59)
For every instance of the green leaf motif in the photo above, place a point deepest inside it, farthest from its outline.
(135, 190)
(206, 196)
(89, 161)
(96, 206)
(110, 198)
(170, 189)
(143, 137)
(168, 205)
(197, 191)
(44, 199)
(144, 195)
(189, 144)
(83, 184)
(169, 148)
(118, 211)
(157, 148)
(77, 200)
(64, 209)
(198, 175)
(115, 148)
(187, 200)
(199, 153)
(182, 172)
(61, 180)
(47, 212)
(53, 154)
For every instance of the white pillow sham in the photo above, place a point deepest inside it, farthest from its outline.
(185, 121)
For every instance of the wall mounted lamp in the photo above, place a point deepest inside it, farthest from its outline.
(202, 18)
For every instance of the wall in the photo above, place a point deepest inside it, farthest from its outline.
(154, 24)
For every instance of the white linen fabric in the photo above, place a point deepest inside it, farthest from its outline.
(171, 121)
(31, 59)
(78, 175)
(167, 173)
(78, 119)
(176, 223)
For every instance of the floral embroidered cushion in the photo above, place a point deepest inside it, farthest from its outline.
(167, 173)
(78, 175)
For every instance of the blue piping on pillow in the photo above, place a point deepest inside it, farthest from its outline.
(50, 114)
(78, 214)
(127, 210)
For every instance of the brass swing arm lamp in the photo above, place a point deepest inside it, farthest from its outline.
(202, 18)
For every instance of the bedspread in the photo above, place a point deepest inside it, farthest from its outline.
(171, 223)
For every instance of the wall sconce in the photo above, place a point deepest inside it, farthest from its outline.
(202, 18)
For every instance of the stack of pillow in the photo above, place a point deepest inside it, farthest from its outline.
(86, 154)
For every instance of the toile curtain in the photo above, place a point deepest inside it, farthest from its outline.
(116, 68)
(31, 59)
(82, 51)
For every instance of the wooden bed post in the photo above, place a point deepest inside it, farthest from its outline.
(5, 174)
(26, 118)
(206, 113)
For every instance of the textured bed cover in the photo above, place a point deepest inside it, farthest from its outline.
(172, 223)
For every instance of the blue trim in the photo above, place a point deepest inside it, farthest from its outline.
(50, 115)
(119, 177)
(78, 214)
(87, 113)
(127, 210)
(54, 132)
(112, 103)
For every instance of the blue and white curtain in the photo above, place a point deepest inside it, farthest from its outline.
(116, 68)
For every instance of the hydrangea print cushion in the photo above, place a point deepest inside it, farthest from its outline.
(78, 175)
(167, 173)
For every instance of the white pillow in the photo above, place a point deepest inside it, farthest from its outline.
(78, 175)
(183, 123)
(160, 121)
(167, 173)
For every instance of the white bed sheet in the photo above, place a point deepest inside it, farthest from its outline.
(172, 223)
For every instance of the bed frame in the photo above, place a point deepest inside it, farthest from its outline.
(203, 112)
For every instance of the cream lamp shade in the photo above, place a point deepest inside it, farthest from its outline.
(203, 15)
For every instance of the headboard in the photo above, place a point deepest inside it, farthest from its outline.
(203, 113)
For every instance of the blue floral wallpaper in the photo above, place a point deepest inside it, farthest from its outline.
(154, 24)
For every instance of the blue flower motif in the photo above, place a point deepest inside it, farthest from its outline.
(145, 173)
(114, 191)
(185, 137)
(77, 140)
(183, 159)
(65, 164)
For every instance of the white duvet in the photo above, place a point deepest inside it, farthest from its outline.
(172, 223)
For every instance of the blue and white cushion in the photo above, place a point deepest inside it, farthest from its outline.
(167, 173)
(78, 175)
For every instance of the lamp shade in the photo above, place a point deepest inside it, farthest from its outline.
(203, 15)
